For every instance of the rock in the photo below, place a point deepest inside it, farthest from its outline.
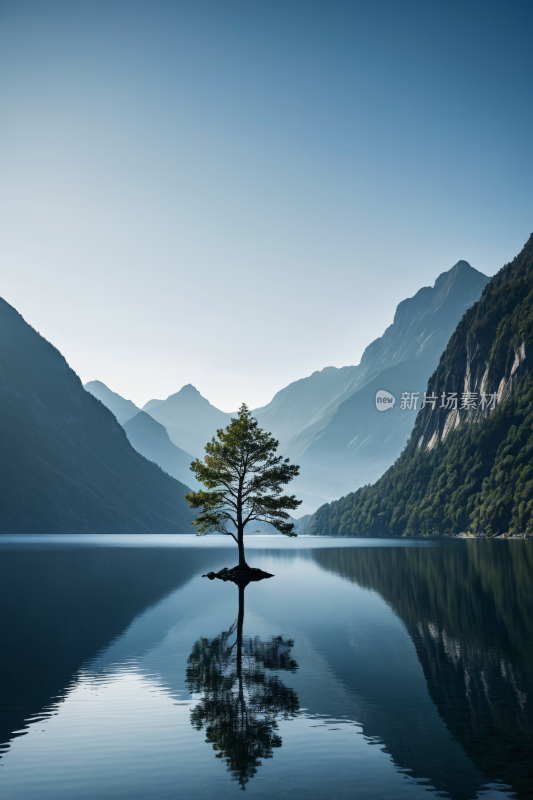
(239, 574)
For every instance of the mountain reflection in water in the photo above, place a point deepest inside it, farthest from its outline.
(241, 702)
(469, 612)
(409, 676)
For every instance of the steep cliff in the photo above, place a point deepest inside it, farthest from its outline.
(467, 465)
(300, 413)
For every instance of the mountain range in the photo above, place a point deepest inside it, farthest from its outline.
(122, 409)
(71, 465)
(327, 422)
(349, 443)
(146, 435)
(66, 464)
(189, 418)
(467, 464)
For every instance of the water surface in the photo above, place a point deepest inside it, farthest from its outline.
(370, 668)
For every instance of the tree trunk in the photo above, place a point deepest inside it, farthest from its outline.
(240, 620)
(240, 541)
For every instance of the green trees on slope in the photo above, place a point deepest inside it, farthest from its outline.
(479, 479)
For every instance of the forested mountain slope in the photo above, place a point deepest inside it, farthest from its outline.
(469, 612)
(467, 468)
(65, 462)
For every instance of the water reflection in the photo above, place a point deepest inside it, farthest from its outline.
(242, 698)
(64, 605)
(469, 612)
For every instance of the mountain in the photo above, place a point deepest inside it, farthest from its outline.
(82, 600)
(190, 419)
(469, 613)
(467, 468)
(151, 439)
(302, 403)
(147, 436)
(422, 325)
(121, 408)
(66, 464)
(359, 442)
(352, 443)
(328, 423)
(150, 404)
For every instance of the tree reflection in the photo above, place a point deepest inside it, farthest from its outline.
(241, 701)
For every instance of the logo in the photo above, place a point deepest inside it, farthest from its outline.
(384, 400)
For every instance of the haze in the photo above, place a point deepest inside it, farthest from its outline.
(236, 194)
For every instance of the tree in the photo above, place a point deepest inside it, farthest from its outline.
(245, 477)
(242, 700)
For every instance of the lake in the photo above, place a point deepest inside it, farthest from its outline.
(364, 668)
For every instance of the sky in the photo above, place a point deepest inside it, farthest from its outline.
(236, 193)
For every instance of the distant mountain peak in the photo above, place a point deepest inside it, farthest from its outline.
(461, 270)
(187, 392)
(66, 463)
(122, 408)
(190, 419)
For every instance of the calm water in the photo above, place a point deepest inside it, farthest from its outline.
(372, 669)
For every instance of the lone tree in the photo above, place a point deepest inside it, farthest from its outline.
(245, 477)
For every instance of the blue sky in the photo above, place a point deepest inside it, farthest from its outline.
(235, 194)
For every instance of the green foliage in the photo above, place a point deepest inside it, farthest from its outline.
(241, 701)
(245, 478)
(481, 478)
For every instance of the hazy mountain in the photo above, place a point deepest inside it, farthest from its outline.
(190, 419)
(352, 444)
(121, 408)
(360, 443)
(146, 435)
(151, 439)
(328, 422)
(303, 402)
(150, 404)
(310, 502)
(420, 330)
(466, 468)
(65, 462)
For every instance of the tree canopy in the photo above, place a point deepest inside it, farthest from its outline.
(244, 477)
